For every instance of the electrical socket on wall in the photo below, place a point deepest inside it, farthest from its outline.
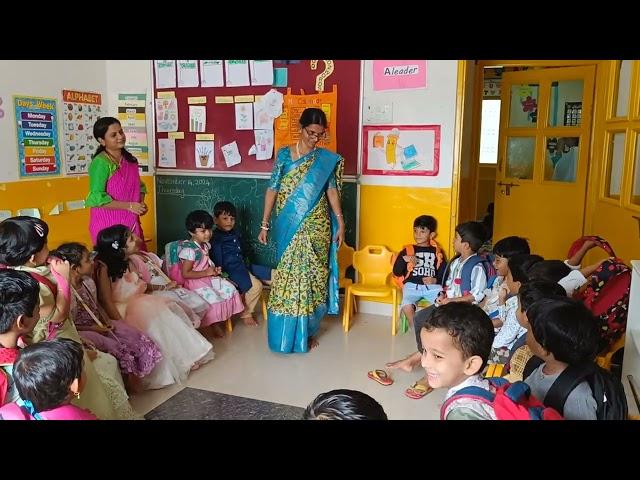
(377, 113)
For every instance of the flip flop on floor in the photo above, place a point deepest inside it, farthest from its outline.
(417, 391)
(380, 376)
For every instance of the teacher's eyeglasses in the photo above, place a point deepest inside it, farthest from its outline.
(318, 135)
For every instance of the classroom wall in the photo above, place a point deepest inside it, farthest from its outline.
(389, 204)
(47, 78)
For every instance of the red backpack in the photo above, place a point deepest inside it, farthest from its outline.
(607, 291)
(510, 401)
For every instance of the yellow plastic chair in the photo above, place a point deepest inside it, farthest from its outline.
(494, 370)
(373, 264)
(345, 260)
(604, 359)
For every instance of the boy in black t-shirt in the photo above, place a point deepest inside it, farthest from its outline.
(422, 265)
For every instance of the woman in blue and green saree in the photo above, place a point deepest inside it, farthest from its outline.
(305, 189)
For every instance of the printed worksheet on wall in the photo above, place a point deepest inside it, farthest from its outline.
(165, 73)
(237, 73)
(261, 72)
(211, 73)
(188, 73)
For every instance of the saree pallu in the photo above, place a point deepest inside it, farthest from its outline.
(305, 283)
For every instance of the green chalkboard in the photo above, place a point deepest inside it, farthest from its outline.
(177, 195)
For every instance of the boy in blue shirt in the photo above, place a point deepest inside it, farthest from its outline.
(226, 252)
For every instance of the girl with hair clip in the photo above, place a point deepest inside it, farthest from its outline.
(48, 375)
(137, 354)
(122, 294)
(23, 246)
(149, 266)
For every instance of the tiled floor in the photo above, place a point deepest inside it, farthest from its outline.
(245, 367)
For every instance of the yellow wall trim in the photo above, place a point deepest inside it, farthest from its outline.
(68, 226)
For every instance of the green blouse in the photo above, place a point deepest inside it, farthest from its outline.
(100, 169)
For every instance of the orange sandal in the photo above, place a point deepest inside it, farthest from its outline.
(380, 376)
(417, 391)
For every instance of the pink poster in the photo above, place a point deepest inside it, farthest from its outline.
(399, 74)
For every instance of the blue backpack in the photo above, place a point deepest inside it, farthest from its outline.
(485, 260)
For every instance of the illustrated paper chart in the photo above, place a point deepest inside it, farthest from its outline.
(167, 153)
(401, 150)
(197, 118)
(167, 114)
(37, 133)
(204, 154)
(80, 110)
(244, 116)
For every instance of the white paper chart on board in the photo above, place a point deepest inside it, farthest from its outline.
(261, 72)
(264, 144)
(244, 116)
(211, 73)
(204, 154)
(167, 152)
(167, 114)
(197, 118)
(231, 154)
(237, 73)
(165, 73)
(262, 118)
(188, 73)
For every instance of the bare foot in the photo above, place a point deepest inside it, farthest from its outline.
(313, 343)
(407, 363)
(218, 332)
(250, 321)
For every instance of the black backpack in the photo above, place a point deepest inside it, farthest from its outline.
(607, 390)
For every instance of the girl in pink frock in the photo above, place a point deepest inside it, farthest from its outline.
(123, 295)
(149, 266)
(203, 277)
(48, 375)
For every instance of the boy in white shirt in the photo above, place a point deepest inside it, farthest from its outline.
(456, 342)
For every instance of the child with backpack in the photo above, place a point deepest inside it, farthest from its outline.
(457, 339)
(23, 247)
(465, 280)
(19, 313)
(226, 252)
(202, 276)
(529, 293)
(48, 375)
(564, 334)
(419, 268)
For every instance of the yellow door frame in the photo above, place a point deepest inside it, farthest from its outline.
(471, 152)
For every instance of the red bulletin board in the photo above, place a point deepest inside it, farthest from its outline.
(221, 117)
